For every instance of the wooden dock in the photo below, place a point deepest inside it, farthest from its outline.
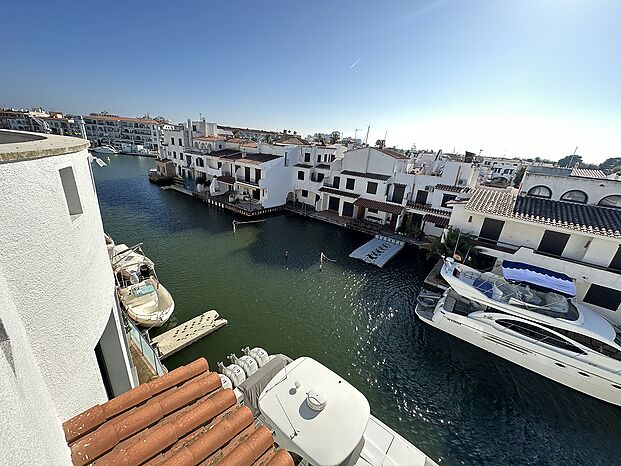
(187, 333)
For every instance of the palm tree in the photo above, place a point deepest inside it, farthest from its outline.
(335, 137)
(466, 249)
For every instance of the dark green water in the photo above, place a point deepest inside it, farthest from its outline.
(457, 403)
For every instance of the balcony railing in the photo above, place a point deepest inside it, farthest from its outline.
(149, 353)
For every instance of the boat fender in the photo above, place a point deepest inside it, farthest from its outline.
(226, 382)
(258, 354)
(248, 364)
(234, 373)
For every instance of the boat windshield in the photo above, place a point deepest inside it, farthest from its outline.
(549, 303)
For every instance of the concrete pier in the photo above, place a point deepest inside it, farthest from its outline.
(187, 333)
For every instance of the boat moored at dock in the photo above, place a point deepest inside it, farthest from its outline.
(143, 297)
(538, 328)
(315, 414)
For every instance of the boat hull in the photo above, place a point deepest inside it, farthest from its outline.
(565, 370)
(154, 314)
(104, 150)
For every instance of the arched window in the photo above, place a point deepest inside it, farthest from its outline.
(575, 196)
(209, 148)
(611, 201)
(540, 191)
(196, 145)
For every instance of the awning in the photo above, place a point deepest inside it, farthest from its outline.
(539, 277)
(377, 205)
(440, 222)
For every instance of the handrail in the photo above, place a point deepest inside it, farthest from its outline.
(151, 355)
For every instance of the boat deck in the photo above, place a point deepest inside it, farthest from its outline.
(185, 334)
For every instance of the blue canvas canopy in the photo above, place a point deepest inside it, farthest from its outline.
(539, 277)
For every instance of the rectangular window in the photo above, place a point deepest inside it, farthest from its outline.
(350, 183)
(320, 177)
(174, 154)
(172, 141)
(180, 142)
(300, 175)
(371, 187)
(180, 156)
(553, 243)
(372, 211)
(602, 296)
(446, 198)
(307, 157)
(257, 174)
(318, 158)
(304, 193)
(71, 192)
(491, 230)
(615, 263)
(336, 182)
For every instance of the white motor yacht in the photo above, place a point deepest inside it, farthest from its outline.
(143, 297)
(105, 149)
(530, 318)
(314, 413)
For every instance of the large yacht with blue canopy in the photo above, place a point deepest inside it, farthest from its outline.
(530, 317)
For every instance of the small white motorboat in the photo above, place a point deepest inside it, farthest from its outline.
(144, 298)
(105, 149)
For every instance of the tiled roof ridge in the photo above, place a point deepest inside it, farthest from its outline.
(163, 436)
(97, 443)
(369, 175)
(92, 418)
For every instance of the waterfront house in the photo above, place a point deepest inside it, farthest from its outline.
(438, 180)
(567, 220)
(42, 122)
(122, 132)
(62, 336)
(499, 170)
(368, 185)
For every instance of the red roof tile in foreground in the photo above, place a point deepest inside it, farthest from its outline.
(181, 418)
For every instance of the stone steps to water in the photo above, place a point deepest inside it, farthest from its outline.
(185, 334)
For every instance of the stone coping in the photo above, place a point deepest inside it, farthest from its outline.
(16, 146)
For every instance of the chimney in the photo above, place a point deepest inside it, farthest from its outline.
(190, 135)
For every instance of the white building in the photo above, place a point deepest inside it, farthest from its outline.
(560, 219)
(125, 134)
(499, 170)
(367, 184)
(62, 340)
(42, 122)
(438, 181)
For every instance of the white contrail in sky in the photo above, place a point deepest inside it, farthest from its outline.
(354, 64)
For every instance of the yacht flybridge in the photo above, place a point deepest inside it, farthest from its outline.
(530, 317)
(315, 414)
(143, 297)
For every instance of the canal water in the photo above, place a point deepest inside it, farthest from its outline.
(457, 403)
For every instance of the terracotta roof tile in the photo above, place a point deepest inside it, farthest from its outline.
(591, 219)
(181, 418)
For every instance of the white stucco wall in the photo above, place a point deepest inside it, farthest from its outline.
(30, 428)
(595, 189)
(60, 278)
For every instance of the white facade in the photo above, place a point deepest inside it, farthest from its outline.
(591, 257)
(123, 132)
(438, 181)
(63, 345)
(499, 169)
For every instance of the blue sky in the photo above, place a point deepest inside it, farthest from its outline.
(511, 77)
